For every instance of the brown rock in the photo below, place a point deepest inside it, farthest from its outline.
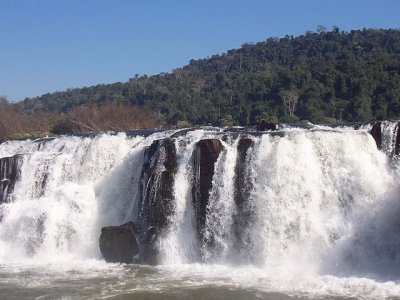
(9, 173)
(204, 158)
(118, 244)
(157, 194)
(243, 187)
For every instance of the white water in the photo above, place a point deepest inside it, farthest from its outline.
(221, 209)
(389, 133)
(180, 243)
(324, 211)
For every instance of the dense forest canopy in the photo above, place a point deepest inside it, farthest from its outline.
(324, 76)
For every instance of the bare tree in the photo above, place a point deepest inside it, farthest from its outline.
(290, 99)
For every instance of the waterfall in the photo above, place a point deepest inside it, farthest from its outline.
(307, 187)
(389, 137)
(320, 199)
(180, 243)
(58, 202)
(221, 208)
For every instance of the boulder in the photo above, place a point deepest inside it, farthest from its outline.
(118, 244)
(204, 157)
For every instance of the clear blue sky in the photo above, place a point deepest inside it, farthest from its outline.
(52, 45)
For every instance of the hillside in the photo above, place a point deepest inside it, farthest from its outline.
(322, 77)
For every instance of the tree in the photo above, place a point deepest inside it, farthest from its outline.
(321, 28)
(3, 100)
(290, 99)
(323, 68)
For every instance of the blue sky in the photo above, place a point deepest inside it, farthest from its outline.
(52, 45)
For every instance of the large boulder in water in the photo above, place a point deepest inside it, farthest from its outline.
(118, 244)
(204, 157)
(156, 187)
(9, 172)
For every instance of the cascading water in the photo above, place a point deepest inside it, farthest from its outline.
(307, 189)
(181, 244)
(389, 137)
(221, 207)
(301, 212)
(58, 202)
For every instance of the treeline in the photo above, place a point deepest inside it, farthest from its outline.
(17, 124)
(324, 76)
(108, 117)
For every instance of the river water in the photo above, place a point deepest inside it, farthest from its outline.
(98, 280)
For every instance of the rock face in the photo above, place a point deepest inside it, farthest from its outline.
(376, 133)
(243, 187)
(397, 144)
(118, 244)
(204, 157)
(157, 195)
(9, 172)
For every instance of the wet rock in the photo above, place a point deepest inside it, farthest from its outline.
(265, 125)
(243, 187)
(9, 173)
(397, 142)
(118, 244)
(150, 251)
(376, 133)
(240, 179)
(204, 158)
(156, 188)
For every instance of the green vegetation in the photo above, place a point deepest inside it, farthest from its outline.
(322, 76)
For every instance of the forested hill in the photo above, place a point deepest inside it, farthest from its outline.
(323, 77)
